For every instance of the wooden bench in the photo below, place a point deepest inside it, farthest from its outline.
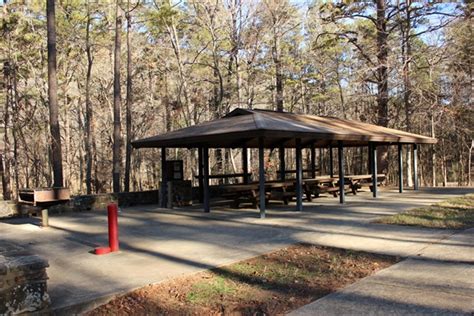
(318, 185)
(309, 172)
(250, 193)
(356, 182)
(226, 176)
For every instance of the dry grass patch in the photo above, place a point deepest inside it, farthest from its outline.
(454, 213)
(271, 284)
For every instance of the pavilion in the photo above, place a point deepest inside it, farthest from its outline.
(244, 128)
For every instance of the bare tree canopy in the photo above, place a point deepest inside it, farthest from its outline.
(399, 64)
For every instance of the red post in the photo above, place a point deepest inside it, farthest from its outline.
(112, 210)
(112, 214)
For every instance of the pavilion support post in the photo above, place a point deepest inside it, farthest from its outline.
(340, 151)
(331, 162)
(299, 176)
(261, 177)
(281, 153)
(400, 168)
(369, 154)
(373, 167)
(164, 178)
(200, 175)
(245, 164)
(415, 167)
(205, 157)
(313, 161)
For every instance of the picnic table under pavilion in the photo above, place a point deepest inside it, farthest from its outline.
(245, 128)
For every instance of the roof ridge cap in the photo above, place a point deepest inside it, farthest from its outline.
(256, 119)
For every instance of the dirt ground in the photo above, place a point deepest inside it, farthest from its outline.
(271, 284)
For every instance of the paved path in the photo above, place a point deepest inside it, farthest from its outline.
(157, 244)
(411, 287)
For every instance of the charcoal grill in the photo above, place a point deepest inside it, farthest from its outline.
(44, 198)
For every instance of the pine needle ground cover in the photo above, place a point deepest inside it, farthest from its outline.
(454, 213)
(271, 284)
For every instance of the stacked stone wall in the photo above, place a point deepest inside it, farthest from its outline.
(81, 203)
(23, 280)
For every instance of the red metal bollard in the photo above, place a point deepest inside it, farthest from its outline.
(112, 214)
(112, 210)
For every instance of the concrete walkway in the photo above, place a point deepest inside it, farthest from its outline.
(412, 287)
(158, 244)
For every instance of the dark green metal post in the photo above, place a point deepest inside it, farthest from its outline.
(163, 178)
(299, 177)
(313, 161)
(245, 164)
(281, 154)
(331, 162)
(340, 151)
(261, 178)
(200, 179)
(400, 168)
(415, 167)
(374, 169)
(205, 157)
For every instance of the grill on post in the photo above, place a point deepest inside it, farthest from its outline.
(44, 198)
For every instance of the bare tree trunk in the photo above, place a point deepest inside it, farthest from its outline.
(469, 162)
(341, 90)
(117, 103)
(128, 153)
(56, 154)
(382, 79)
(6, 175)
(444, 166)
(174, 39)
(406, 60)
(15, 129)
(165, 100)
(89, 140)
(67, 140)
(278, 72)
(433, 154)
(81, 149)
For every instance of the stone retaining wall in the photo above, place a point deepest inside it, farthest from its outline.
(8, 209)
(100, 201)
(82, 203)
(22, 281)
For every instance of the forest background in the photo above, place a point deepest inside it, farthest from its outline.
(130, 69)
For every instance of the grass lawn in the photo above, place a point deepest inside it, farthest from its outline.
(454, 213)
(271, 284)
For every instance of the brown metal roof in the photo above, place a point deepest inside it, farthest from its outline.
(242, 128)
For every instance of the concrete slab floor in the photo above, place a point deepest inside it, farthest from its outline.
(157, 244)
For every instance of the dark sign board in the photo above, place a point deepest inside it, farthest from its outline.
(174, 170)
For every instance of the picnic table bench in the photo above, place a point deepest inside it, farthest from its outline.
(285, 190)
(318, 185)
(293, 171)
(249, 193)
(356, 182)
(226, 176)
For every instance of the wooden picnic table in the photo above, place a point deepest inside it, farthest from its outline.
(241, 193)
(356, 182)
(320, 184)
(285, 190)
(316, 186)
